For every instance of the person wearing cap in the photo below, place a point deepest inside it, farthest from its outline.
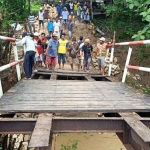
(56, 26)
(73, 49)
(50, 26)
(62, 50)
(29, 54)
(87, 50)
(31, 22)
(41, 18)
(79, 9)
(102, 53)
(61, 25)
(70, 27)
(39, 51)
(51, 52)
(65, 15)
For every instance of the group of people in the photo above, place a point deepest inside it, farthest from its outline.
(44, 50)
(55, 18)
(47, 51)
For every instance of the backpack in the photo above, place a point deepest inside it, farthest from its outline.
(72, 51)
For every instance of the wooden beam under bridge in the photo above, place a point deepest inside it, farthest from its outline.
(106, 124)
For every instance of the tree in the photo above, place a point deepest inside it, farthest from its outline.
(131, 18)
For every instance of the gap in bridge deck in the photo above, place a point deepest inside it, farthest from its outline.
(65, 77)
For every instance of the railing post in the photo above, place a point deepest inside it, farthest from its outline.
(127, 63)
(111, 61)
(17, 66)
(1, 89)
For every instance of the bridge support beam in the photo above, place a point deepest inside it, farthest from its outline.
(131, 130)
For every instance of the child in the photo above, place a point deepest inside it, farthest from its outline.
(50, 26)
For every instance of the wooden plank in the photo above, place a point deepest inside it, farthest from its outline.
(89, 78)
(41, 133)
(137, 126)
(53, 77)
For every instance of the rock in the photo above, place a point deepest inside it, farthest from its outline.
(14, 136)
(114, 67)
(26, 138)
(20, 137)
(137, 76)
(100, 114)
(134, 78)
(128, 73)
(115, 60)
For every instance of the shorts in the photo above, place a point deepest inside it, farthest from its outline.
(39, 58)
(51, 60)
(70, 34)
(61, 57)
(75, 61)
(101, 61)
(65, 21)
(41, 22)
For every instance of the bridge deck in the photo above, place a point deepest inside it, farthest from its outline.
(69, 96)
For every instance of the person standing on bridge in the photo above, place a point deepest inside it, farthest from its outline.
(102, 54)
(29, 55)
(62, 50)
(87, 50)
(73, 58)
(51, 52)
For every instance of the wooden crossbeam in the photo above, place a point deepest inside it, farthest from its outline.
(53, 77)
(135, 132)
(41, 133)
(89, 78)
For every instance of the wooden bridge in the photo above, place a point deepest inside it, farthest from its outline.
(65, 92)
(50, 92)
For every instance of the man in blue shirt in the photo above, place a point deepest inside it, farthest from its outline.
(51, 52)
(59, 9)
(86, 18)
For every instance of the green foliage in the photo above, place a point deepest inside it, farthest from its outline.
(146, 90)
(142, 8)
(71, 145)
(130, 18)
(141, 54)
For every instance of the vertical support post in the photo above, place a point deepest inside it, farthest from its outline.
(127, 63)
(1, 89)
(111, 60)
(17, 66)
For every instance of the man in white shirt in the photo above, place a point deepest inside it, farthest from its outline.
(57, 27)
(71, 5)
(17, 29)
(41, 18)
(29, 55)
